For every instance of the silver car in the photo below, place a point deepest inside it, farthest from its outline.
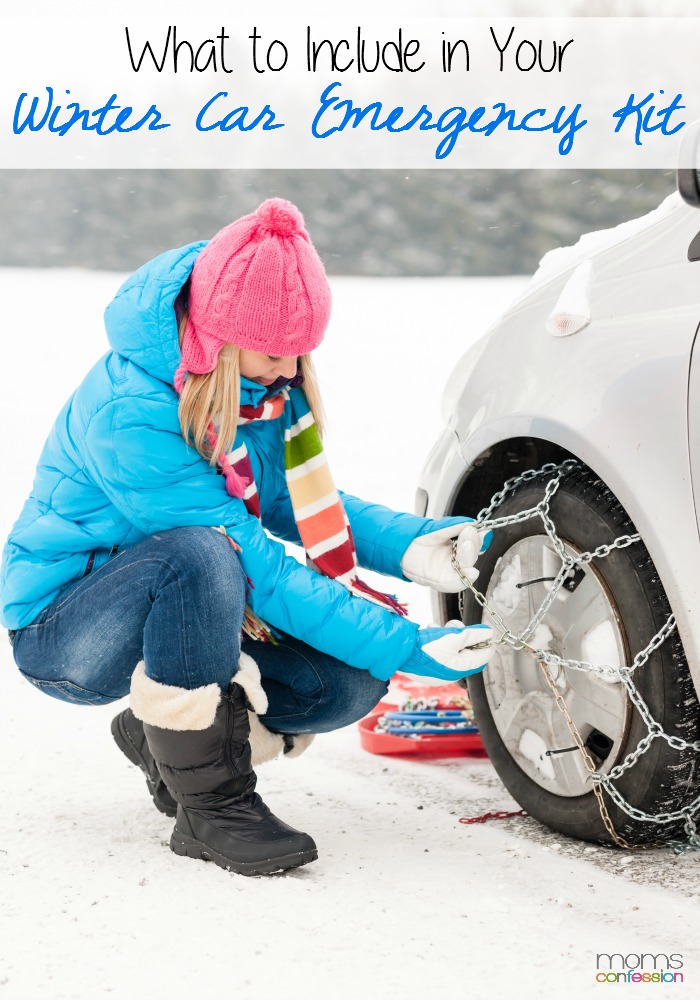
(588, 709)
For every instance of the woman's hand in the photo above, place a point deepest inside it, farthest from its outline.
(428, 559)
(451, 652)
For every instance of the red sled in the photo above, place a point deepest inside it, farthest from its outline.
(437, 745)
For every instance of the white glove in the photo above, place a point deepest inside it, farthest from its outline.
(448, 653)
(428, 559)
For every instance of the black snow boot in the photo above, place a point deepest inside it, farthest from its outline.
(203, 754)
(129, 736)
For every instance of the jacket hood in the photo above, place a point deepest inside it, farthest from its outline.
(141, 323)
(140, 320)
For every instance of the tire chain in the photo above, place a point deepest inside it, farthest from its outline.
(546, 659)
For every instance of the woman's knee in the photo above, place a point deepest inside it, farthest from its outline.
(325, 696)
(204, 561)
(349, 697)
(366, 691)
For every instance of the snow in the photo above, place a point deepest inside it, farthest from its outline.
(506, 595)
(404, 900)
(534, 748)
(599, 647)
(541, 637)
(561, 259)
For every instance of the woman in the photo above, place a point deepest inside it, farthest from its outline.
(140, 563)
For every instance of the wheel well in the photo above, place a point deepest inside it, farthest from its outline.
(499, 463)
(486, 477)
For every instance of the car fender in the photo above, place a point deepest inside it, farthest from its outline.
(614, 395)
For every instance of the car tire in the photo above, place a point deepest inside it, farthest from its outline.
(586, 514)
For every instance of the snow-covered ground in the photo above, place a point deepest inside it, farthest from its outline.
(404, 900)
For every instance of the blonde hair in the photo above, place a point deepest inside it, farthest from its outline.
(216, 397)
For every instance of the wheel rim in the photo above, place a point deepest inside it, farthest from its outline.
(582, 624)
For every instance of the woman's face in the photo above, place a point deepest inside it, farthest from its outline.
(266, 368)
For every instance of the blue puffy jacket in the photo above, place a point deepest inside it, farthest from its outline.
(116, 468)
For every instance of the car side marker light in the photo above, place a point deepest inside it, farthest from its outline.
(573, 309)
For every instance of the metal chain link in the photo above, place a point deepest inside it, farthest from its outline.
(546, 660)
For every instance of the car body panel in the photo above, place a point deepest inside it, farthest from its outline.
(616, 395)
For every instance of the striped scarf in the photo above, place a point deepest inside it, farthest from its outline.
(319, 513)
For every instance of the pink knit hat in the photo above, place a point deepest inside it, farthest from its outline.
(260, 284)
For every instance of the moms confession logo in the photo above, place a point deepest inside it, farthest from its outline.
(639, 968)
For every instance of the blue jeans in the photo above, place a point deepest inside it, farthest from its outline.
(175, 600)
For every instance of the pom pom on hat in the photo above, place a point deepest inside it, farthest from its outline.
(259, 284)
(280, 217)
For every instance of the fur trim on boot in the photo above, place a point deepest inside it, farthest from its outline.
(248, 676)
(170, 707)
(264, 744)
(299, 743)
(180, 709)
